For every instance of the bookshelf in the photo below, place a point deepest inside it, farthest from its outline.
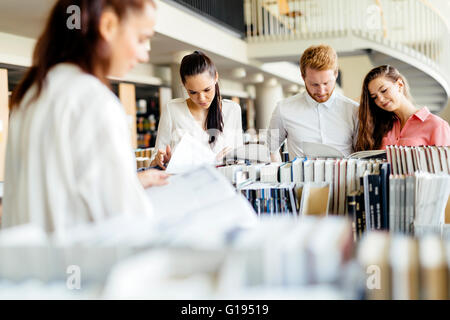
(247, 109)
(143, 104)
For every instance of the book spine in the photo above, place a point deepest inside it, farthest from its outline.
(385, 172)
(362, 204)
(367, 192)
(360, 221)
(351, 208)
(376, 179)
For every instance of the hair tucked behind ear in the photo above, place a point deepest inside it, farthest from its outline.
(197, 63)
(374, 122)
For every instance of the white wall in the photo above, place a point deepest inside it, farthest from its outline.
(16, 50)
(354, 69)
(445, 113)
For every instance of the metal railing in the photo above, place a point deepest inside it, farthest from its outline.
(414, 27)
(229, 13)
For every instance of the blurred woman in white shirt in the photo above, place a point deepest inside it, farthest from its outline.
(69, 156)
(215, 122)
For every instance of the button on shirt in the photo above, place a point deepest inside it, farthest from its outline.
(301, 118)
(422, 129)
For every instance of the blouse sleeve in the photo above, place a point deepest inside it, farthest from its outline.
(441, 135)
(277, 132)
(104, 164)
(238, 138)
(164, 135)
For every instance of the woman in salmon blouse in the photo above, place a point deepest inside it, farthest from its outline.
(387, 115)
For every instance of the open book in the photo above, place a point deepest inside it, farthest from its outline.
(320, 150)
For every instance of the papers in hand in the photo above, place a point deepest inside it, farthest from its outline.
(320, 150)
(198, 208)
(188, 154)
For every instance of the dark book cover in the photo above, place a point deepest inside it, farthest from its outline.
(385, 173)
(351, 209)
(376, 183)
(362, 206)
(359, 215)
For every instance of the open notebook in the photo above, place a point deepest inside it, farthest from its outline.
(320, 150)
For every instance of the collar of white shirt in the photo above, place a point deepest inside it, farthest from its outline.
(311, 102)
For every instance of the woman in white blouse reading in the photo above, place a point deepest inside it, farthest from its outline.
(214, 121)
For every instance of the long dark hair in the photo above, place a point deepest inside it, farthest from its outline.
(197, 63)
(83, 46)
(374, 122)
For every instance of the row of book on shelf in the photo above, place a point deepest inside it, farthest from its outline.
(369, 192)
(407, 160)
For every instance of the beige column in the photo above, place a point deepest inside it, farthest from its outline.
(127, 95)
(268, 94)
(4, 116)
(178, 90)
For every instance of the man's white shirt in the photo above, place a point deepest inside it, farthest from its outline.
(300, 118)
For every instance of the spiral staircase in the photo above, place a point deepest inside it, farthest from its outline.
(411, 35)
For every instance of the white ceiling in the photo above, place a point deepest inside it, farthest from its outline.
(27, 18)
(24, 17)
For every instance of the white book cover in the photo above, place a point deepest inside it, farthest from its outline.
(342, 209)
(286, 173)
(319, 170)
(335, 209)
(253, 152)
(297, 170)
(351, 176)
(409, 160)
(361, 167)
(403, 157)
(308, 170)
(399, 160)
(269, 173)
(443, 158)
(447, 154)
(423, 159)
(436, 159)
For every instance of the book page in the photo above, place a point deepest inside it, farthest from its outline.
(317, 150)
(189, 153)
(190, 192)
